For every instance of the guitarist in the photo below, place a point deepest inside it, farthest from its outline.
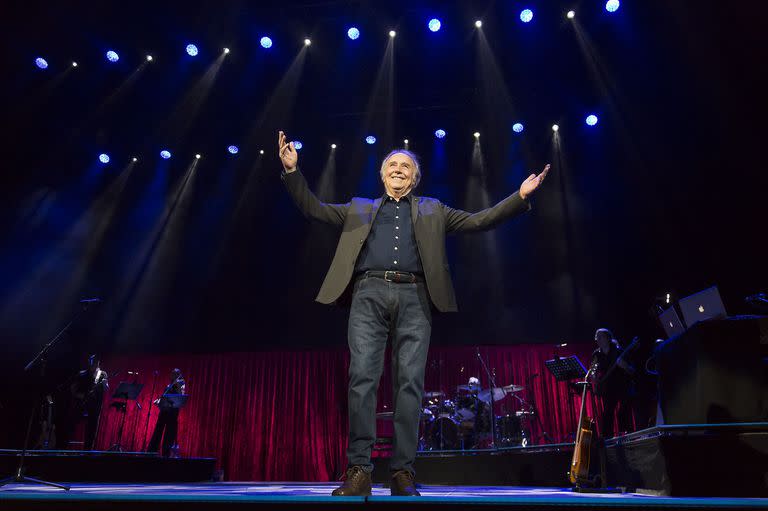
(87, 389)
(613, 382)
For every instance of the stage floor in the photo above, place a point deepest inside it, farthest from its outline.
(317, 495)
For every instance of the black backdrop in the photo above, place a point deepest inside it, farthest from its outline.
(664, 194)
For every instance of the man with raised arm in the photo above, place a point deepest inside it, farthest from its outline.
(391, 259)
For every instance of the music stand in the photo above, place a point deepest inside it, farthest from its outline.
(125, 391)
(566, 369)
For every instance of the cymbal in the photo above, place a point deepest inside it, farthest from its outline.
(499, 393)
(433, 394)
(469, 388)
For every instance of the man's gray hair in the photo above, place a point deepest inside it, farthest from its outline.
(416, 170)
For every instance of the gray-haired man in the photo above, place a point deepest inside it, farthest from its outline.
(391, 256)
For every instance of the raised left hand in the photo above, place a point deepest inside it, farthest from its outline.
(533, 182)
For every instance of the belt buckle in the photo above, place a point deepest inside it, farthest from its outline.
(394, 279)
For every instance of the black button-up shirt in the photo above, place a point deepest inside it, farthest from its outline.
(391, 244)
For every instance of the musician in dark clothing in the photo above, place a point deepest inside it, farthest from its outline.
(613, 382)
(167, 426)
(87, 390)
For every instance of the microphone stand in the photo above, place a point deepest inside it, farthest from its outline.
(149, 409)
(40, 359)
(492, 381)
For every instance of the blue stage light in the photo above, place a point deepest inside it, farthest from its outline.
(440, 133)
(297, 145)
(165, 154)
(353, 33)
(370, 140)
(266, 42)
(526, 15)
(591, 120)
(612, 5)
(41, 63)
(112, 56)
(233, 149)
(104, 158)
(518, 127)
(434, 24)
(191, 50)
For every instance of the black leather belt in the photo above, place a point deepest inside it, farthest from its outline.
(400, 277)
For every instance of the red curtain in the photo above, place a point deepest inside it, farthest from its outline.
(281, 415)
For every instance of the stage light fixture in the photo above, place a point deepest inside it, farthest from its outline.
(233, 149)
(74, 64)
(41, 63)
(165, 154)
(370, 140)
(104, 158)
(571, 15)
(333, 146)
(261, 151)
(477, 134)
(134, 159)
(591, 120)
(478, 23)
(440, 133)
(353, 33)
(150, 58)
(555, 127)
(392, 33)
(191, 50)
(405, 141)
(226, 50)
(307, 42)
(197, 156)
(526, 15)
(266, 42)
(297, 145)
(434, 25)
(518, 127)
(112, 56)
(612, 5)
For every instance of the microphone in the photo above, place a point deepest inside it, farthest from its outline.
(91, 300)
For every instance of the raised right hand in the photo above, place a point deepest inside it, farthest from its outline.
(288, 155)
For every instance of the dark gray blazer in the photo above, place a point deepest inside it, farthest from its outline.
(431, 221)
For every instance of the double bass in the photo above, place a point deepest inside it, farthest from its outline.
(579, 473)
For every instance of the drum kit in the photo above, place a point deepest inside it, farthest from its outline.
(464, 422)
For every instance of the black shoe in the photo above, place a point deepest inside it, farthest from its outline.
(356, 484)
(403, 484)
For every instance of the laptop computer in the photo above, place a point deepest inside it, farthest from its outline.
(701, 306)
(671, 323)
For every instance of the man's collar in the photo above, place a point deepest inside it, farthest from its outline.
(407, 196)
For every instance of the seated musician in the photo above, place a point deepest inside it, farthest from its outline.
(613, 382)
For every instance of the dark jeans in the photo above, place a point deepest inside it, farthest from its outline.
(620, 406)
(168, 422)
(379, 310)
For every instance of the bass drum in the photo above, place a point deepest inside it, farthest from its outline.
(444, 434)
(510, 431)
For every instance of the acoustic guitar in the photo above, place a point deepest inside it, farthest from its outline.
(579, 473)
